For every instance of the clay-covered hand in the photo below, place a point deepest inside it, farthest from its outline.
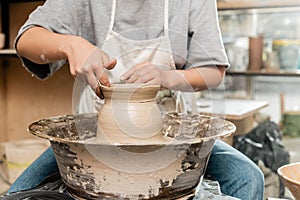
(145, 72)
(89, 62)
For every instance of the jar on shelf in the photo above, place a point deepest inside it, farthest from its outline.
(288, 51)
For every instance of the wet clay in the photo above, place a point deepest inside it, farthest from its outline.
(129, 114)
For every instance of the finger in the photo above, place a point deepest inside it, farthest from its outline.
(148, 78)
(92, 81)
(105, 57)
(141, 76)
(107, 62)
(99, 73)
(81, 78)
(112, 64)
(72, 69)
(133, 70)
(129, 73)
(99, 92)
(132, 79)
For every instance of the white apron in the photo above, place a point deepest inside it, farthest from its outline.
(128, 53)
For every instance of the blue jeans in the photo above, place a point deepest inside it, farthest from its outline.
(238, 176)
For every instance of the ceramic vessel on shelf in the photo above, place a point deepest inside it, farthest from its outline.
(288, 54)
(129, 114)
(290, 175)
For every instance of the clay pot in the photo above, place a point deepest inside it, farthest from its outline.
(159, 170)
(290, 176)
(129, 114)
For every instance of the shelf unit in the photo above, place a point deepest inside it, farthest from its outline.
(8, 52)
(5, 20)
(248, 4)
(264, 73)
(15, 81)
(250, 74)
(252, 8)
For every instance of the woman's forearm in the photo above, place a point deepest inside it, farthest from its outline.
(42, 46)
(195, 79)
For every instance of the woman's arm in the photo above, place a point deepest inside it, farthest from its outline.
(43, 46)
(194, 79)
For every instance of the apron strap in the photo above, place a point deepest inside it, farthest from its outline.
(113, 15)
(166, 18)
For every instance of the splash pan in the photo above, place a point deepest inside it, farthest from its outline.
(167, 169)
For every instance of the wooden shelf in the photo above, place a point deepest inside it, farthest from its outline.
(5, 17)
(8, 52)
(18, 1)
(263, 73)
(250, 4)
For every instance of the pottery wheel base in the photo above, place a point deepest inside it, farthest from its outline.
(187, 197)
(53, 187)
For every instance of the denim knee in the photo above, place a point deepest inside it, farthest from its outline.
(252, 182)
(42, 167)
(238, 175)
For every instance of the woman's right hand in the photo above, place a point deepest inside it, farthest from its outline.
(88, 62)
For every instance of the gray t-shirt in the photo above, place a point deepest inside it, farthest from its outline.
(193, 27)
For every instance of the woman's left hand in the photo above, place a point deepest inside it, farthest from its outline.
(145, 72)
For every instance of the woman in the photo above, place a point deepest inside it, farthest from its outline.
(176, 44)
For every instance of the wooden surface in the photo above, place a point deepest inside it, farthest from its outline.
(239, 112)
(233, 109)
(3, 135)
(18, 14)
(0, 21)
(6, 52)
(29, 99)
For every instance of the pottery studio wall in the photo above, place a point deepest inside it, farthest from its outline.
(23, 98)
(274, 25)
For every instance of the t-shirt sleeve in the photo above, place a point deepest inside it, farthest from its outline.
(57, 16)
(205, 46)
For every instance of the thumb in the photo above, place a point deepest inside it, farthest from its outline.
(111, 64)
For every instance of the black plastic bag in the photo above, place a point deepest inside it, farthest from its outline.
(264, 143)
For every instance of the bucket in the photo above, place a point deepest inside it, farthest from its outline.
(291, 123)
(290, 176)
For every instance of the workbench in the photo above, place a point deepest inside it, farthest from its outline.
(239, 111)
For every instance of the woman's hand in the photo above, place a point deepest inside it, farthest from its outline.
(88, 62)
(145, 72)
(194, 79)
